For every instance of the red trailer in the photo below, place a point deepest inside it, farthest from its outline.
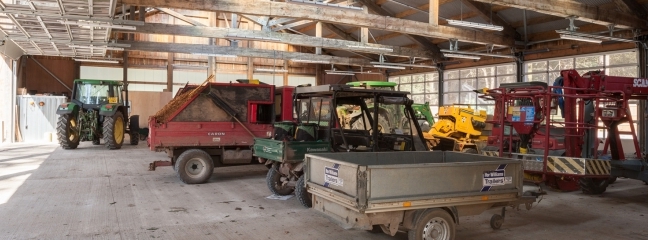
(214, 125)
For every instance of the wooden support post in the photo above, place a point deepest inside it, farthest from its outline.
(250, 68)
(318, 33)
(319, 75)
(285, 74)
(364, 32)
(170, 73)
(142, 13)
(434, 12)
(211, 61)
(125, 73)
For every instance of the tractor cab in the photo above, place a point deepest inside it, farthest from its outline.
(97, 92)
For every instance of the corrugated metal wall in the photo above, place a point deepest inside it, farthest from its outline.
(38, 123)
(7, 90)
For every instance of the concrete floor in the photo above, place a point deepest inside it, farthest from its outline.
(94, 193)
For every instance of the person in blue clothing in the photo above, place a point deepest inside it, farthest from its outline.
(561, 101)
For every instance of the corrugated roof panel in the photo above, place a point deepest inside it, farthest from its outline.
(512, 15)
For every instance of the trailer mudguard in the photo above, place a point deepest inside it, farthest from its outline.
(66, 108)
(109, 110)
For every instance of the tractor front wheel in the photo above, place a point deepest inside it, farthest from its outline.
(67, 131)
(113, 130)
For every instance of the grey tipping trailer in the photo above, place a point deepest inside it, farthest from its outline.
(422, 193)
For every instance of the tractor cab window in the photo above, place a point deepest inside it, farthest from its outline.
(89, 93)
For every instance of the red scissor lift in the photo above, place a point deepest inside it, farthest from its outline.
(528, 107)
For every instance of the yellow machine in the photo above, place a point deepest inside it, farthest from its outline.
(459, 128)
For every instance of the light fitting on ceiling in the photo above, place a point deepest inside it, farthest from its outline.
(273, 39)
(333, 72)
(310, 61)
(475, 25)
(455, 55)
(96, 47)
(97, 24)
(449, 53)
(95, 60)
(271, 70)
(323, 4)
(579, 38)
(388, 66)
(592, 36)
(371, 48)
(216, 55)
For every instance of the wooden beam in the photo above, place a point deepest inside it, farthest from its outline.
(485, 12)
(631, 7)
(180, 16)
(339, 32)
(337, 16)
(295, 39)
(586, 13)
(241, 52)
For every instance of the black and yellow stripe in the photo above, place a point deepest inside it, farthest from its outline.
(578, 166)
(490, 153)
(598, 167)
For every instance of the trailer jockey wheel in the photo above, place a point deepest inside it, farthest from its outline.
(497, 220)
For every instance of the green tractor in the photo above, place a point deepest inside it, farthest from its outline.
(97, 110)
(388, 119)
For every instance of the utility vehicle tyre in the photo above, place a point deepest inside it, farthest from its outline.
(593, 185)
(113, 130)
(194, 166)
(273, 180)
(66, 131)
(300, 191)
(433, 224)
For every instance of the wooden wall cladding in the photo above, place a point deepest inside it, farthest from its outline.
(35, 78)
(146, 104)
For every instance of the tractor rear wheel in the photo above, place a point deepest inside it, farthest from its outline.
(67, 131)
(113, 130)
(383, 124)
(593, 185)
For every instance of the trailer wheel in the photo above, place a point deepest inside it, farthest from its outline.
(496, 221)
(434, 224)
(273, 180)
(593, 185)
(302, 194)
(194, 166)
(133, 127)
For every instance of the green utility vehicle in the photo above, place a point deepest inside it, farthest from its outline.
(319, 128)
(97, 110)
(388, 119)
